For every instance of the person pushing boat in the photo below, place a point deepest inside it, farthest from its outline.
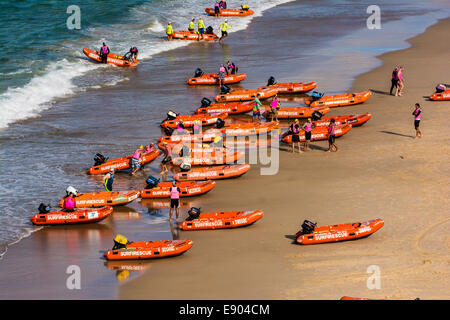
(108, 180)
(169, 31)
(131, 54)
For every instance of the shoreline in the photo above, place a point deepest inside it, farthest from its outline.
(228, 190)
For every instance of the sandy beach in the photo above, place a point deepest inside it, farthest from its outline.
(380, 171)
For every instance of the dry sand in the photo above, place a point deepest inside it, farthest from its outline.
(380, 171)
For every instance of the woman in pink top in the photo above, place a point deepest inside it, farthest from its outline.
(401, 82)
(417, 113)
(136, 160)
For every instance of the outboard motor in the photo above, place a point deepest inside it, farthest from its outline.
(308, 227)
(220, 123)
(209, 30)
(185, 166)
(271, 81)
(198, 73)
(206, 102)
(316, 95)
(224, 89)
(316, 115)
(44, 208)
(440, 88)
(99, 159)
(171, 115)
(151, 182)
(120, 242)
(194, 213)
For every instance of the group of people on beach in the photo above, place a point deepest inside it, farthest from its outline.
(397, 81)
(201, 30)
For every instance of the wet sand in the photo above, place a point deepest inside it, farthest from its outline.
(380, 171)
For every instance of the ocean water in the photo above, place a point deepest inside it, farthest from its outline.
(45, 136)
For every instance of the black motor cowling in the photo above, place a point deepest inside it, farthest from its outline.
(194, 213)
(99, 159)
(271, 81)
(224, 89)
(220, 123)
(316, 115)
(440, 88)
(206, 102)
(171, 115)
(44, 208)
(209, 30)
(151, 182)
(198, 73)
(316, 95)
(308, 227)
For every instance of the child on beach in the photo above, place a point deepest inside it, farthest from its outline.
(401, 82)
(394, 80)
(417, 113)
(331, 136)
(295, 130)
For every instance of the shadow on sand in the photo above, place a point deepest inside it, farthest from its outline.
(397, 134)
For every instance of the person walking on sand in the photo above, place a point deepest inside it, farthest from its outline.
(136, 160)
(174, 200)
(224, 27)
(394, 80)
(169, 31)
(401, 82)
(256, 109)
(295, 130)
(201, 28)
(417, 113)
(331, 136)
(307, 127)
(108, 180)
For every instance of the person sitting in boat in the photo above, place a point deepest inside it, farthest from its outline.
(306, 228)
(120, 242)
(245, 7)
(194, 213)
(191, 26)
(231, 68)
(69, 203)
(150, 147)
(104, 51)
(132, 53)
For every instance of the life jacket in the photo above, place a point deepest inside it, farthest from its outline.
(294, 128)
(200, 24)
(221, 69)
(109, 182)
(104, 49)
(69, 203)
(417, 113)
(331, 129)
(307, 127)
(137, 154)
(174, 193)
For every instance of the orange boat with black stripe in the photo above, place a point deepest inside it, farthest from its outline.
(295, 112)
(213, 173)
(355, 120)
(74, 217)
(149, 250)
(320, 133)
(339, 232)
(340, 100)
(228, 107)
(187, 35)
(187, 188)
(212, 79)
(188, 120)
(441, 96)
(222, 220)
(293, 87)
(230, 12)
(245, 95)
(123, 163)
(100, 199)
(114, 59)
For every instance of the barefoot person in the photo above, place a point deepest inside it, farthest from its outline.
(167, 151)
(169, 31)
(295, 130)
(307, 127)
(108, 180)
(191, 26)
(224, 27)
(174, 200)
(136, 160)
(331, 136)
(222, 71)
(394, 80)
(201, 28)
(256, 110)
(401, 82)
(417, 113)
(274, 107)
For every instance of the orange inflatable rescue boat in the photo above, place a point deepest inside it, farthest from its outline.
(212, 79)
(295, 112)
(228, 107)
(122, 163)
(355, 120)
(245, 95)
(187, 35)
(320, 133)
(310, 234)
(209, 159)
(340, 100)
(230, 12)
(115, 59)
(74, 217)
(219, 220)
(187, 188)
(293, 87)
(213, 173)
(441, 96)
(125, 250)
(248, 129)
(100, 199)
(189, 120)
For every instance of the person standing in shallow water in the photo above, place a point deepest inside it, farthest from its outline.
(417, 113)
(108, 180)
